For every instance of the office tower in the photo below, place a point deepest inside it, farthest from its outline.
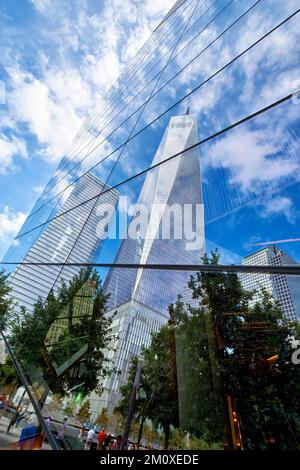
(285, 289)
(141, 296)
(74, 237)
(77, 313)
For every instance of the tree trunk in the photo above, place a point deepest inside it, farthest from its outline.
(16, 414)
(140, 431)
(167, 436)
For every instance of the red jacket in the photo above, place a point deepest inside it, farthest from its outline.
(101, 436)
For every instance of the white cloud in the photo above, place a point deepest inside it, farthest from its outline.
(43, 6)
(10, 223)
(38, 189)
(10, 148)
(54, 98)
(277, 206)
(247, 155)
(273, 59)
(48, 108)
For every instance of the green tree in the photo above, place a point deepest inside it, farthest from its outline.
(6, 302)
(8, 374)
(54, 403)
(126, 389)
(70, 409)
(157, 383)
(253, 356)
(28, 332)
(226, 348)
(84, 412)
(117, 422)
(200, 394)
(103, 419)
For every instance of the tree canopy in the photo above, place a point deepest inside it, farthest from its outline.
(86, 326)
(227, 347)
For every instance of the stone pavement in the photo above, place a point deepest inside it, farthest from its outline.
(9, 441)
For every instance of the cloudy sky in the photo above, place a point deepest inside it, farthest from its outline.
(59, 59)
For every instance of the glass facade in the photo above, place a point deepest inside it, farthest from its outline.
(56, 244)
(141, 296)
(285, 289)
(235, 65)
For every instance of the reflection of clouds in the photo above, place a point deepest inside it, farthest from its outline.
(60, 191)
(279, 205)
(252, 158)
(247, 164)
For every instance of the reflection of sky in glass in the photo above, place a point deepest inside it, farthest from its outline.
(250, 174)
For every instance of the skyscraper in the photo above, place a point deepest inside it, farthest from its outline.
(285, 289)
(56, 244)
(140, 296)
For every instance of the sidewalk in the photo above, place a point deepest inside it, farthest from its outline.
(9, 441)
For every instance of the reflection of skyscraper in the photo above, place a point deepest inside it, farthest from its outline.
(67, 336)
(285, 289)
(56, 243)
(141, 296)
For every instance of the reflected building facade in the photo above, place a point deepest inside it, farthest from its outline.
(285, 289)
(141, 296)
(76, 229)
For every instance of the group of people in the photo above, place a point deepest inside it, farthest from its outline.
(105, 440)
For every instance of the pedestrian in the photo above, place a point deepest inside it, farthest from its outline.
(111, 443)
(61, 432)
(118, 442)
(101, 438)
(48, 422)
(107, 441)
(2, 406)
(81, 433)
(90, 439)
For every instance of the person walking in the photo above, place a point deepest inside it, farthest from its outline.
(62, 432)
(101, 438)
(90, 439)
(108, 441)
(2, 407)
(81, 433)
(118, 442)
(48, 422)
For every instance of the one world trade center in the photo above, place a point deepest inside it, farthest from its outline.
(172, 195)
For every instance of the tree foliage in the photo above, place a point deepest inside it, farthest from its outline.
(227, 346)
(84, 412)
(103, 419)
(6, 302)
(8, 374)
(158, 398)
(28, 332)
(248, 338)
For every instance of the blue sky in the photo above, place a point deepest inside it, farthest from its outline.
(58, 60)
(46, 49)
